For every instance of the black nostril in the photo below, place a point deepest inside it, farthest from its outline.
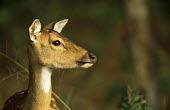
(92, 56)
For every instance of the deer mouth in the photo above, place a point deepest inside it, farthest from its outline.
(84, 64)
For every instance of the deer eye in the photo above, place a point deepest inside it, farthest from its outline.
(56, 43)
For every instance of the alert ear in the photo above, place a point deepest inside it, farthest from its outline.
(34, 29)
(57, 26)
(60, 25)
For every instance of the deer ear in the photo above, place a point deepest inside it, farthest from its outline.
(34, 29)
(58, 26)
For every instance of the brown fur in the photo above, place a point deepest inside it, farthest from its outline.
(66, 55)
(42, 53)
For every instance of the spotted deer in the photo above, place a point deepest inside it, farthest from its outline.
(47, 50)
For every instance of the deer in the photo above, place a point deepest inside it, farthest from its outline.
(48, 49)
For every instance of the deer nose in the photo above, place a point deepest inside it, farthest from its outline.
(92, 57)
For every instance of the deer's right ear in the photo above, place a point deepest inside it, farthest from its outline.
(34, 29)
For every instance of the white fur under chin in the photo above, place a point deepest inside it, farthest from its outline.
(87, 65)
(60, 66)
(46, 79)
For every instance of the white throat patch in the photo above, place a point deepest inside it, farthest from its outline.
(46, 79)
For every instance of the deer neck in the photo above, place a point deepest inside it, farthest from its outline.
(39, 89)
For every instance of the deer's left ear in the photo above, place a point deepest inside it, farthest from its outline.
(58, 26)
(34, 29)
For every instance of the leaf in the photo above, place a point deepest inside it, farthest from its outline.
(123, 109)
(147, 108)
(136, 106)
(143, 102)
(126, 105)
(137, 98)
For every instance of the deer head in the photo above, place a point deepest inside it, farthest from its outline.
(51, 49)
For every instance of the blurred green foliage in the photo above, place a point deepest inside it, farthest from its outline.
(134, 101)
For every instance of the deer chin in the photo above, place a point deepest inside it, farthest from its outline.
(87, 65)
(84, 64)
(63, 66)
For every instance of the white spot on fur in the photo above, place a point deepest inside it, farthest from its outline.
(20, 106)
(46, 79)
(54, 105)
(52, 99)
(87, 65)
